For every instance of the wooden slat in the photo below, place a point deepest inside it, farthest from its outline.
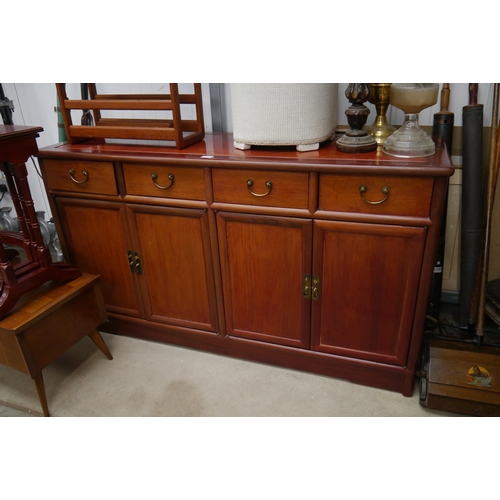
(120, 104)
(183, 98)
(39, 302)
(163, 134)
(187, 125)
(92, 94)
(191, 139)
(132, 122)
(472, 393)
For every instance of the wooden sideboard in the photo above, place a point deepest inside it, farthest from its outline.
(318, 261)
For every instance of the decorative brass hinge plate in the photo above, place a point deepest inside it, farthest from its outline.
(134, 261)
(310, 287)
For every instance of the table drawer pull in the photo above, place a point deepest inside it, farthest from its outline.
(269, 186)
(72, 176)
(364, 188)
(154, 176)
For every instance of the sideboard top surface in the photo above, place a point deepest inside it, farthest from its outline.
(218, 149)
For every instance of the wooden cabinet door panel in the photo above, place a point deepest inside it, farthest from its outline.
(97, 242)
(174, 246)
(263, 262)
(369, 276)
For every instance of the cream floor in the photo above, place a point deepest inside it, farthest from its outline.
(152, 379)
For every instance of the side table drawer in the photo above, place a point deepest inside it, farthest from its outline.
(373, 194)
(260, 187)
(96, 177)
(164, 182)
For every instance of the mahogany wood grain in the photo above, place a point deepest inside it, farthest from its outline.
(100, 178)
(428, 262)
(360, 371)
(42, 396)
(97, 241)
(407, 196)
(176, 260)
(369, 277)
(264, 260)
(245, 257)
(145, 132)
(111, 102)
(188, 183)
(174, 129)
(313, 192)
(217, 150)
(187, 125)
(183, 98)
(289, 190)
(96, 337)
(48, 321)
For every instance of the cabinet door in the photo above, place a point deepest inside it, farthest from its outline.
(369, 278)
(96, 238)
(263, 262)
(177, 272)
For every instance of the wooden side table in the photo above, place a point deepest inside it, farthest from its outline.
(17, 144)
(46, 322)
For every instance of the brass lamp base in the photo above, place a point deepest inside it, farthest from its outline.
(380, 130)
(379, 95)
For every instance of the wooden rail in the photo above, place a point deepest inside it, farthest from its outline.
(174, 128)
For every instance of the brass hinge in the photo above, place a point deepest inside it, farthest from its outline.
(310, 287)
(134, 261)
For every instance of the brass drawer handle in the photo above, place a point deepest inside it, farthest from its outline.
(72, 176)
(154, 176)
(269, 186)
(363, 189)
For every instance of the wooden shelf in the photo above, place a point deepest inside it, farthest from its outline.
(182, 132)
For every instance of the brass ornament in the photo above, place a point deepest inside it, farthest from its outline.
(380, 94)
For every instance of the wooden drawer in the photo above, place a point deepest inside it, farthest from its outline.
(165, 182)
(96, 177)
(406, 196)
(287, 189)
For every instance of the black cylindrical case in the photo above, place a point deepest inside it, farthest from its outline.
(472, 206)
(442, 127)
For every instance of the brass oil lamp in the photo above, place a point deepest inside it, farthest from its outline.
(379, 95)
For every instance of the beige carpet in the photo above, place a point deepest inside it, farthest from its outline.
(151, 379)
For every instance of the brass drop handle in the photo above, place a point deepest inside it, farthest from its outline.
(154, 176)
(72, 176)
(269, 186)
(363, 189)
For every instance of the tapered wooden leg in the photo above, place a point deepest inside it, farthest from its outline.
(40, 389)
(95, 336)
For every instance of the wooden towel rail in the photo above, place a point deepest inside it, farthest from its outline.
(181, 131)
